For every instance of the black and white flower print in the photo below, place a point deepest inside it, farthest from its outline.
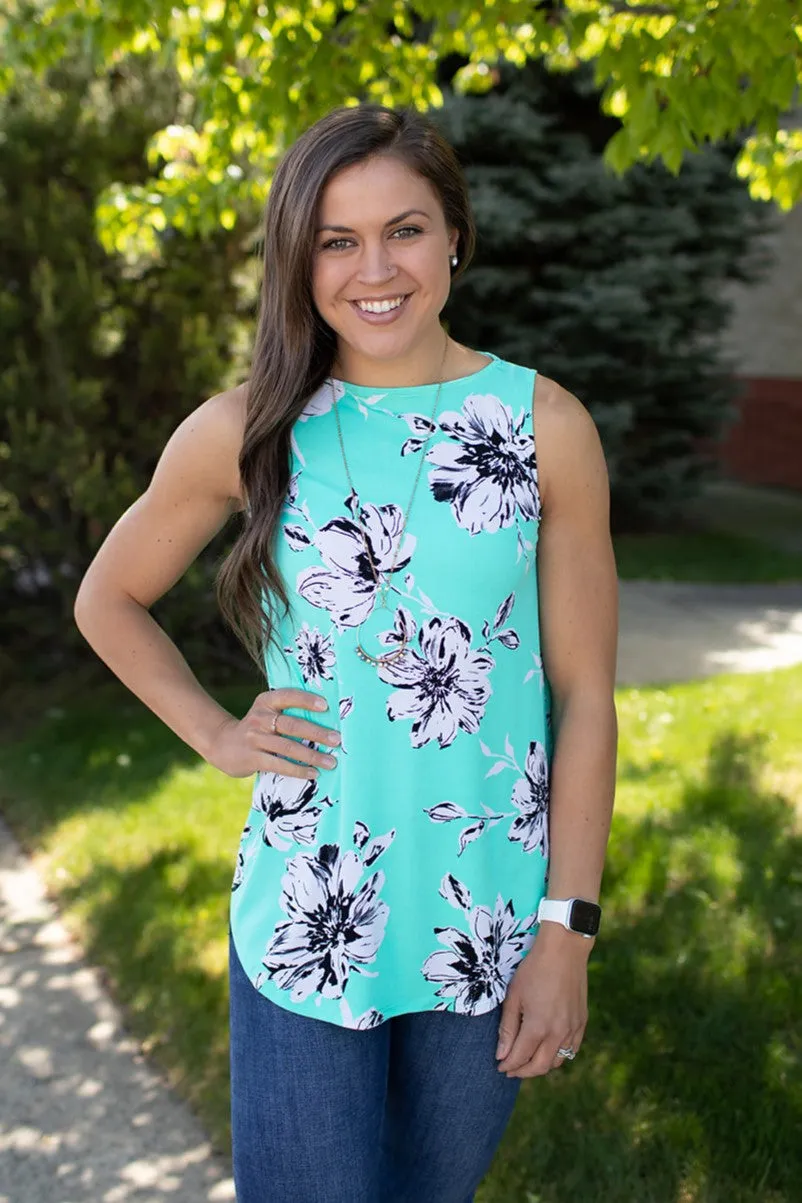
(507, 636)
(314, 653)
(422, 429)
(239, 869)
(346, 586)
(442, 688)
(290, 807)
(530, 795)
(368, 1019)
(322, 399)
(488, 473)
(334, 925)
(476, 969)
(450, 812)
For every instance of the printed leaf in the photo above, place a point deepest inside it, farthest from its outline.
(496, 768)
(418, 424)
(297, 538)
(508, 748)
(378, 845)
(362, 409)
(427, 601)
(486, 629)
(503, 612)
(509, 638)
(405, 623)
(361, 833)
(411, 445)
(372, 400)
(485, 750)
(409, 581)
(297, 449)
(352, 503)
(468, 834)
(529, 675)
(444, 812)
(455, 892)
(346, 706)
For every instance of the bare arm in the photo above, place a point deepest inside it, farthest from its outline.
(194, 491)
(579, 626)
(546, 1003)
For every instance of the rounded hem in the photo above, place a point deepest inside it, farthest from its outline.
(359, 389)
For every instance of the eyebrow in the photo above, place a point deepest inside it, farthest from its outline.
(393, 221)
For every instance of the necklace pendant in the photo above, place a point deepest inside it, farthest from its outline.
(386, 626)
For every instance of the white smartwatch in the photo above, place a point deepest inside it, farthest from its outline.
(577, 914)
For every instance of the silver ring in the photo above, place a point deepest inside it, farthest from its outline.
(567, 1053)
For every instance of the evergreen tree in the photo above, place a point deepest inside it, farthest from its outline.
(612, 286)
(102, 356)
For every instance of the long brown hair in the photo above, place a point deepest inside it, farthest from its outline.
(294, 347)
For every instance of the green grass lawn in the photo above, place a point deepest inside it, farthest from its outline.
(689, 1085)
(703, 555)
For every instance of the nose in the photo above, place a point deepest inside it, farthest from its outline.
(375, 264)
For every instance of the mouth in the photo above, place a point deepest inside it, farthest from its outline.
(381, 311)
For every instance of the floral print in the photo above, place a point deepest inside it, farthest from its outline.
(444, 687)
(476, 971)
(445, 750)
(333, 928)
(287, 805)
(314, 653)
(346, 586)
(486, 474)
(530, 796)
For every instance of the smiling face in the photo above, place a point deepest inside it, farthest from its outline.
(381, 269)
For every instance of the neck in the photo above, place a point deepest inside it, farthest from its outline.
(427, 364)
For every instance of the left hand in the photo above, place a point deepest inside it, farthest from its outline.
(546, 1005)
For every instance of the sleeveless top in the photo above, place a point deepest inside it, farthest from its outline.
(408, 877)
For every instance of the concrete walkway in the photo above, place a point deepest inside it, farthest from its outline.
(674, 632)
(83, 1119)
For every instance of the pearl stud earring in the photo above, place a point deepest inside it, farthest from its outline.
(454, 260)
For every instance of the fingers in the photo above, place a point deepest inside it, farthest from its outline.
(530, 1050)
(293, 750)
(508, 1027)
(267, 704)
(535, 1051)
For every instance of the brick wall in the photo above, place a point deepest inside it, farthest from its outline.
(764, 447)
(764, 345)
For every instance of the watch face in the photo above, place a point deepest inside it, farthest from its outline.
(585, 917)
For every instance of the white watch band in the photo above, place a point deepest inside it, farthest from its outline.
(554, 910)
(557, 910)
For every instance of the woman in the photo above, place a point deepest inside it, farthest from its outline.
(435, 602)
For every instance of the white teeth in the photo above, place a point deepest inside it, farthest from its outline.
(380, 306)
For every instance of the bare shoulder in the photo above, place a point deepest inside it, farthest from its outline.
(567, 443)
(209, 440)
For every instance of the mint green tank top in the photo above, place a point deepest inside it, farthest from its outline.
(408, 877)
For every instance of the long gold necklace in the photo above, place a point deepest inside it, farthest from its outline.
(388, 657)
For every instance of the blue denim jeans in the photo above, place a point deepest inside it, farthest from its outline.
(411, 1111)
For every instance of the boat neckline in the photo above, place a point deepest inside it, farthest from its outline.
(414, 388)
